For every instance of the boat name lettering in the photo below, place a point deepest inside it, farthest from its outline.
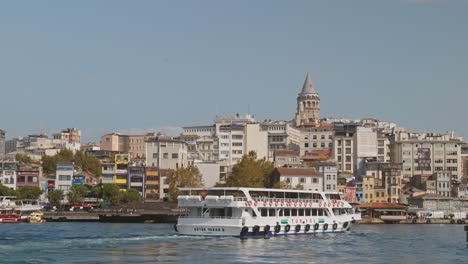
(209, 229)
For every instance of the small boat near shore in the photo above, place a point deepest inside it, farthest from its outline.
(36, 218)
(14, 210)
(261, 212)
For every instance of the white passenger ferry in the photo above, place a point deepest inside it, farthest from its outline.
(256, 212)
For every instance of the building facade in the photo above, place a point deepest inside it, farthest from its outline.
(427, 154)
(28, 175)
(329, 174)
(8, 174)
(316, 138)
(2, 144)
(63, 176)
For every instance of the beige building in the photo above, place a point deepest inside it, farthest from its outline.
(286, 158)
(316, 138)
(308, 104)
(281, 135)
(427, 153)
(166, 153)
(71, 135)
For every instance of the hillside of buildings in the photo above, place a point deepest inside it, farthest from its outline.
(367, 160)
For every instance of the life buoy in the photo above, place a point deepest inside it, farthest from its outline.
(271, 203)
(452, 221)
(307, 228)
(345, 225)
(277, 228)
(264, 203)
(244, 231)
(256, 203)
(282, 203)
(459, 221)
(255, 229)
(316, 226)
(266, 230)
(325, 227)
(287, 228)
(298, 228)
(334, 226)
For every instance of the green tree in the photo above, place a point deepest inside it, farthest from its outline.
(281, 185)
(188, 176)
(251, 172)
(77, 194)
(48, 164)
(29, 192)
(5, 191)
(131, 196)
(111, 193)
(55, 198)
(22, 158)
(299, 187)
(96, 192)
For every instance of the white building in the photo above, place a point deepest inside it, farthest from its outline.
(365, 148)
(210, 173)
(8, 174)
(281, 135)
(166, 153)
(308, 178)
(64, 176)
(427, 153)
(329, 174)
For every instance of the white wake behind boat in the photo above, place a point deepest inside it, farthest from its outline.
(259, 212)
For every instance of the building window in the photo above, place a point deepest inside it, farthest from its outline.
(314, 180)
(175, 155)
(302, 180)
(165, 155)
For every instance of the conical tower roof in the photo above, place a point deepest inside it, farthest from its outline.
(308, 87)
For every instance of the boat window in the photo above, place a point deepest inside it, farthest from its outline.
(271, 212)
(307, 212)
(228, 211)
(300, 212)
(320, 212)
(280, 212)
(317, 196)
(277, 195)
(314, 212)
(293, 212)
(264, 211)
(306, 196)
(235, 193)
(291, 195)
(255, 194)
(254, 214)
(336, 211)
(287, 212)
(216, 212)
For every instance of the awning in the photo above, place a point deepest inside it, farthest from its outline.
(390, 210)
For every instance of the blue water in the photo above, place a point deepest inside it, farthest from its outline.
(157, 243)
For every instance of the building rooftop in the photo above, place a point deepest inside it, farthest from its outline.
(297, 172)
(381, 206)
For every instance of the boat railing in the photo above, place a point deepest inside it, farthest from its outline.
(210, 217)
(285, 200)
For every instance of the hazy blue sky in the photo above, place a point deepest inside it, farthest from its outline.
(106, 66)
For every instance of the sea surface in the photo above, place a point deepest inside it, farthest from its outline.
(158, 243)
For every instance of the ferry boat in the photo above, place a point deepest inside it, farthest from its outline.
(23, 208)
(259, 212)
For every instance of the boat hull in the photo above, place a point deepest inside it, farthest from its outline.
(252, 232)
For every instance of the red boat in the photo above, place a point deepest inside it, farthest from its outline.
(10, 216)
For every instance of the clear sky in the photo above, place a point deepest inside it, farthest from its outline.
(105, 66)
